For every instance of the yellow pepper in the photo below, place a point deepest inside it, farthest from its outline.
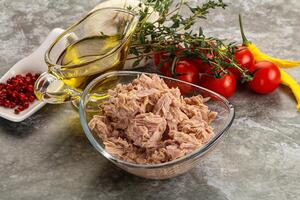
(286, 79)
(260, 56)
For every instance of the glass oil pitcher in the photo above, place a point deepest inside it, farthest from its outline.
(96, 44)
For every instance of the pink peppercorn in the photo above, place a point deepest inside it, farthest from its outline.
(18, 92)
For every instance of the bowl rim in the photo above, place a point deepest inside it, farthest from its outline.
(189, 156)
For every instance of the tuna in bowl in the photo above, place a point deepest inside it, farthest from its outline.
(171, 144)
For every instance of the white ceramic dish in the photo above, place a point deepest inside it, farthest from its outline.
(33, 63)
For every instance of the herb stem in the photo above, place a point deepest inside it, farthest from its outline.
(171, 33)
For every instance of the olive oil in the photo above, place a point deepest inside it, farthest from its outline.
(82, 61)
(92, 46)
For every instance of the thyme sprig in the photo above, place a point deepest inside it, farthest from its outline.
(171, 31)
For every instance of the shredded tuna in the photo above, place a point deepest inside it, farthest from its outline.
(147, 122)
(146, 130)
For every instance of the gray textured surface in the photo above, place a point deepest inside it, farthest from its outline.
(48, 157)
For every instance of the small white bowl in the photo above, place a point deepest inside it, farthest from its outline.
(33, 63)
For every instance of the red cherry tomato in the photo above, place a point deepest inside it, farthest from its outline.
(166, 69)
(185, 71)
(162, 56)
(235, 72)
(197, 62)
(266, 78)
(158, 56)
(224, 86)
(179, 50)
(244, 59)
(202, 67)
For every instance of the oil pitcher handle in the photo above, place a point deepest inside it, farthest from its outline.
(50, 89)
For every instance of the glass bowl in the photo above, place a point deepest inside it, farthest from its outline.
(96, 92)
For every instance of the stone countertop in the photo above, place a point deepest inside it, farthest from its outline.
(48, 157)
